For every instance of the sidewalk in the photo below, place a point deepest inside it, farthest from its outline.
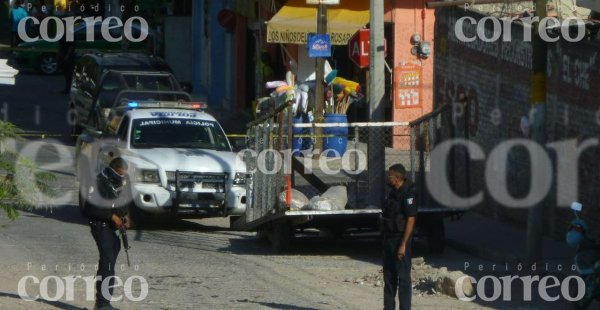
(499, 242)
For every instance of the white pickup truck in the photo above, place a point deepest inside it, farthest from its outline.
(181, 162)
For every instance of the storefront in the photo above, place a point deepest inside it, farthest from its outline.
(290, 28)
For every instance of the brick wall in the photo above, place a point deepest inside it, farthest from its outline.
(494, 78)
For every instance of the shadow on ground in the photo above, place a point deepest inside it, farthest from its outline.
(273, 305)
(57, 304)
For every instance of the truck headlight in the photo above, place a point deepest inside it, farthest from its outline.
(239, 179)
(147, 176)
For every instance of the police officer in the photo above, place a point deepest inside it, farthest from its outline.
(397, 223)
(107, 209)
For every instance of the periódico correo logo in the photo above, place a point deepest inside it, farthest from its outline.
(69, 23)
(503, 27)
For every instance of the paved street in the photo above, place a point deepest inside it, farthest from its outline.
(196, 264)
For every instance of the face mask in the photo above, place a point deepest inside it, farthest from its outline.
(574, 238)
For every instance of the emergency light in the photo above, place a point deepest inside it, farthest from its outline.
(166, 104)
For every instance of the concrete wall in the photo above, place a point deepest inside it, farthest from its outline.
(495, 78)
(212, 69)
(407, 19)
(220, 62)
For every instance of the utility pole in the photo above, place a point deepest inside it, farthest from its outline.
(538, 133)
(319, 77)
(377, 103)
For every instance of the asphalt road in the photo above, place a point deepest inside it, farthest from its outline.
(197, 264)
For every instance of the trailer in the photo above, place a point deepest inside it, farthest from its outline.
(275, 169)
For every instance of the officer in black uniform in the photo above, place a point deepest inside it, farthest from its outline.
(107, 209)
(397, 222)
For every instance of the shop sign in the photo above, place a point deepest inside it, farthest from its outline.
(319, 45)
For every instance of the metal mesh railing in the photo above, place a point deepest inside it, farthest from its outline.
(351, 168)
(357, 167)
(264, 157)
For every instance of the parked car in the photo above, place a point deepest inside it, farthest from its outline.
(181, 161)
(98, 78)
(41, 55)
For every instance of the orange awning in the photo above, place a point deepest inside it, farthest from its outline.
(296, 19)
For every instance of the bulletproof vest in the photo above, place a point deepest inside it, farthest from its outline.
(107, 198)
(393, 213)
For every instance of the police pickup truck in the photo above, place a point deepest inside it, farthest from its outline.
(181, 162)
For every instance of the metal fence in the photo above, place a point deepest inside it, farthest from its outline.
(270, 145)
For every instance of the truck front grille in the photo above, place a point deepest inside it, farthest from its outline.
(213, 182)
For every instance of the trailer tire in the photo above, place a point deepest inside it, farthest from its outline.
(281, 237)
(433, 226)
(262, 235)
(232, 219)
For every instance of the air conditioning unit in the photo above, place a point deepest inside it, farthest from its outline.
(593, 5)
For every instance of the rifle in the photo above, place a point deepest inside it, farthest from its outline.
(123, 232)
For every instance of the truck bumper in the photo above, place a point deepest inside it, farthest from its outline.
(157, 199)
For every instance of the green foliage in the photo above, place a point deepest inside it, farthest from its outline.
(9, 130)
(23, 186)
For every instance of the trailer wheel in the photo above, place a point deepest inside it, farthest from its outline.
(433, 226)
(232, 219)
(281, 237)
(262, 235)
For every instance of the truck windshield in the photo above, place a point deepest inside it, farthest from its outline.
(149, 82)
(178, 133)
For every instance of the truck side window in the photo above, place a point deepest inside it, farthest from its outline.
(111, 85)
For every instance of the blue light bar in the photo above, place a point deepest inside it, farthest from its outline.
(133, 104)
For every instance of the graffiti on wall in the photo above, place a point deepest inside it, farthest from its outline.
(573, 73)
(465, 102)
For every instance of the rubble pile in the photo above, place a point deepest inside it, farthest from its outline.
(426, 280)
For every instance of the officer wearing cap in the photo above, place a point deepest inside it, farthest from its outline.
(107, 207)
(397, 223)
